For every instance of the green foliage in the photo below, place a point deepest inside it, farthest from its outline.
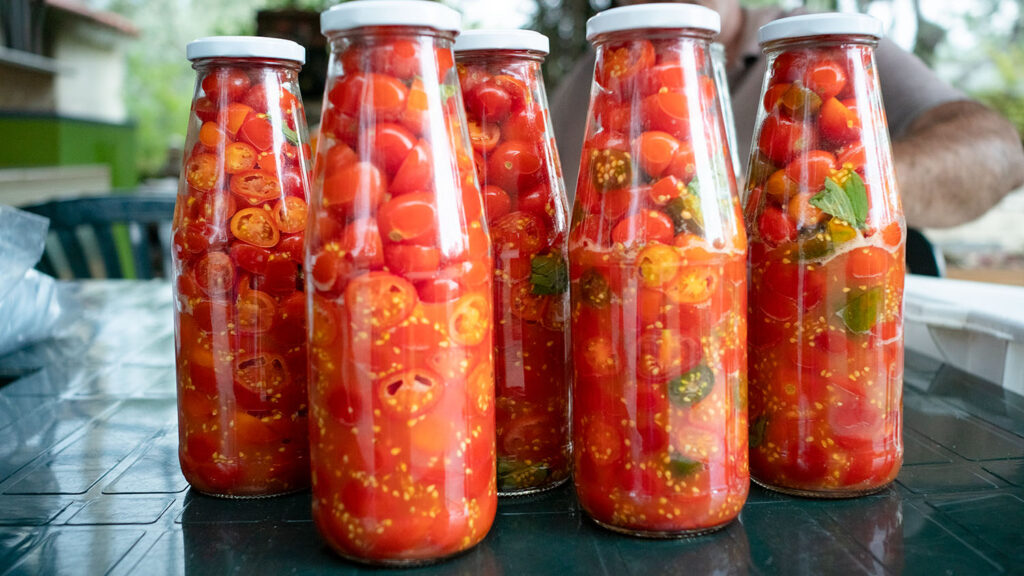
(1008, 99)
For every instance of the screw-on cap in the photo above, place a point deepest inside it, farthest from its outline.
(496, 39)
(644, 16)
(828, 24)
(245, 47)
(361, 13)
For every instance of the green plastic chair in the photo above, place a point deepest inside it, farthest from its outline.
(146, 218)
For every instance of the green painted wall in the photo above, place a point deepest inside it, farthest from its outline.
(31, 140)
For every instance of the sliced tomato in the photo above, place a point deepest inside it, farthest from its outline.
(643, 227)
(290, 215)
(255, 186)
(255, 226)
(215, 274)
(239, 157)
(470, 322)
(255, 311)
(483, 136)
(202, 171)
(380, 300)
(519, 233)
(260, 382)
(619, 64)
(409, 394)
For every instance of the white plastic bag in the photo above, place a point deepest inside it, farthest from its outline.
(30, 302)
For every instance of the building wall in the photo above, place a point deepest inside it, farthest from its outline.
(91, 79)
(29, 90)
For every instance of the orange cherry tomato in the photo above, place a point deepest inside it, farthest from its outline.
(239, 157)
(470, 321)
(290, 215)
(211, 135)
(255, 226)
(202, 171)
(656, 151)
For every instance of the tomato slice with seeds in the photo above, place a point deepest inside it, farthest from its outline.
(239, 157)
(255, 311)
(409, 394)
(202, 171)
(255, 186)
(470, 321)
(519, 232)
(483, 136)
(260, 381)
(290, 215)
(379, 300)
(215, 274)
(620, 64)
(255, 226)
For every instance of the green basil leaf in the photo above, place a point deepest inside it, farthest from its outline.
(549, 274)
(861, 312)
(291, 135)
(848, 202)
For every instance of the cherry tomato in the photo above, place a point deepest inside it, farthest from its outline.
(811, 168)
(392, 143)
(290, 215)
(774, 227)
(294, 246)
(338, 156)
(210, 135)
(234, 116)
(215, 274)
(668, 77)
(232, 82)
(398, 57)
(239, 157)
(667, 112)
(839, 121)
(380, 300)
(780, 186)
(255, 311)
(497, 202)
(782, 139)
(514, 165)
(255, 226)
(409, 394)
(410, 218)
(202, 171)
(802, 212)
(658, 264)
(483, 136)
(250, 258)
(470, 322)
(826, 78)
(620, 64)
(438, 290)
(357, 187)
(488, 102)
(413, 261)
(643, 227)
(255, 186)
(205, 109)
(259, 381)
(387, 95)
(258, 132)
(656, 151)
(361, 243)
(852, 156)
(526, 125)
(416, 173)
(519, 233)
(866, 263)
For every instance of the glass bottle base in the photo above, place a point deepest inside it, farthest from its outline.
(531, 490)
(659, 534)
(247, 496)
(399, 562)
(838, 494)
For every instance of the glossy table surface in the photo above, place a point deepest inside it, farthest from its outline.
(89, 483)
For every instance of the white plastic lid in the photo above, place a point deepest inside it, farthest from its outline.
(361, 13)
(498, 39)
(827, 24)
(654, 16)
(245, 47)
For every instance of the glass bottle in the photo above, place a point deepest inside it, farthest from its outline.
(827, 268)
(525, 205)
(657, 257)
(240, 309)
(399, 260)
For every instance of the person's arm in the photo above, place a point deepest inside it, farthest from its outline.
(954, 162)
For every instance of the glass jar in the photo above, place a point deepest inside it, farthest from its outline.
(827, 265)
(657, 257)
(401, 371)
(525, 205)
(240, 309)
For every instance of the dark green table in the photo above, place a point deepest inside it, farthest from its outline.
(89, 483)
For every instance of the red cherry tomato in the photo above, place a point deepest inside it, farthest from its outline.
(775, 227)
(255, 311)
(391, 144)
(412, 261)
(387, 95)
(643, 227)
(250, 258)
(438, 290)
(357, 187)
(258, 132)
(514, 165)
(825, 77)
(232, 82)
(782, 139)
(667, 112)
(810, 169)
(497, 202)
(519, 233)
(361, 243)
(618, 65)
(255, 226)
(410, 218)
(483, 136)
(416, 173)
(656, 151)
(488, 102)
(380, 300)
(290, 215)
(202, 171)
(215, 274)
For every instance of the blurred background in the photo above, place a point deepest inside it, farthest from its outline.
(94, 94)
